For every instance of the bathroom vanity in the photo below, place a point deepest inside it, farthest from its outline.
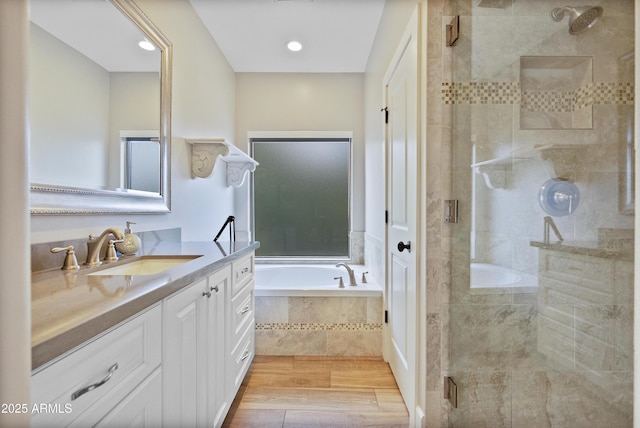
(168, 348)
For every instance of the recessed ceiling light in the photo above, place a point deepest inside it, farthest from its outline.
(294, 45)
(146, 45)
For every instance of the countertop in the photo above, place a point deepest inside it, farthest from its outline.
(69, 308)
(620, 251)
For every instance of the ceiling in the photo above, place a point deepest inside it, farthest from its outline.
(337, 35)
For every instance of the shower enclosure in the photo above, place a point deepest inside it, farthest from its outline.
(541, 96)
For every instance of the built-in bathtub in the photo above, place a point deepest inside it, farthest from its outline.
(488, 276)
(312, 280)
(300, 310)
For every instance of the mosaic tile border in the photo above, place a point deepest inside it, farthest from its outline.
(320, 326)
(481, 92)
(611, 93)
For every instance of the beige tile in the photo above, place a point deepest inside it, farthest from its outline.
(361, 343)
(291, 342)
(381, 378)
(272, 309)
(327, 310)
(309, 399)
(246, 418)
(374, 310)
(390, 399)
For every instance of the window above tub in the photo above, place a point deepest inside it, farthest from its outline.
(301, 196)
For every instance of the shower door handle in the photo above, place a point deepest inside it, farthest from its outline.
(402, 246)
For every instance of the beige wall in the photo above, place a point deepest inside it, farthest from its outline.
(14, 228)
(304, 102)
(203, 105)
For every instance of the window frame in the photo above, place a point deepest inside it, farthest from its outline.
(319, 136)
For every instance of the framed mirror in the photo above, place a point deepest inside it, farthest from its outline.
(92, 92)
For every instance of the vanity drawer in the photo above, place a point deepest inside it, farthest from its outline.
(242, 312)
(242, 272)
(241, 358)
(74, 384)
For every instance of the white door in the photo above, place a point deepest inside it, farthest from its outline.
(401, 88)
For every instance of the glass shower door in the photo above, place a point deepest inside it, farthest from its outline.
(541, 298)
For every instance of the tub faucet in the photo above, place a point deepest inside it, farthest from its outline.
(97, 246)
(352, 276)
(549, 224)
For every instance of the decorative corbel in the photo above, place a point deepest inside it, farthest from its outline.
(205, 153)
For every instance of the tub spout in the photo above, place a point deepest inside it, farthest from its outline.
(352, 276)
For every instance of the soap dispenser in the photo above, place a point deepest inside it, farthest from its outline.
(131, 242)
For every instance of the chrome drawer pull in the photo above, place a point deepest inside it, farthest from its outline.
(245, 310)
(245, 270)
(245, 355)
(86, 389)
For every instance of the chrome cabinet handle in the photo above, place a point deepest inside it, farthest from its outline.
(206, 294)
(245, 355)
(245, 270)
(214, 288)
(245, 310)
(86, 389)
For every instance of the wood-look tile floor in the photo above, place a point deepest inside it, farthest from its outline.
(312, 392)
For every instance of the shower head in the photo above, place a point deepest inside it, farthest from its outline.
(581, 18)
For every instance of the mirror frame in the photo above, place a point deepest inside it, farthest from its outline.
(65, 200)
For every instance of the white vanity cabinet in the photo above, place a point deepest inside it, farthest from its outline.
(193, 358)
(208, 345)
(241, 332)
(115, 377)
(179, 363)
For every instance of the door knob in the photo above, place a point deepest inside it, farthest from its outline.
(402, 246)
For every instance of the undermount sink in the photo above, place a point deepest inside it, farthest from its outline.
(146, 265)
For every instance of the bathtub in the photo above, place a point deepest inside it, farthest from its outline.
(485, 276)
(315, 280)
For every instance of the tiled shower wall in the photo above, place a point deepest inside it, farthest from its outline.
(488, 343)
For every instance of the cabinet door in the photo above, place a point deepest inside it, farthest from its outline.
(184, 357)
(220, 402)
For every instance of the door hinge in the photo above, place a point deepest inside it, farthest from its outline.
(386, 114)
(451, 391)
(386, 317)
(451, 211)
(386, 216)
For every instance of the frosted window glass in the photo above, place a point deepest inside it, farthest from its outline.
(301, 198)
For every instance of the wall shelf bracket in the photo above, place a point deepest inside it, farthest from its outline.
(205, 153)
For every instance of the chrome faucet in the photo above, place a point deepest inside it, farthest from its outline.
(549, 224)
(97, 246)
(352, 276)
